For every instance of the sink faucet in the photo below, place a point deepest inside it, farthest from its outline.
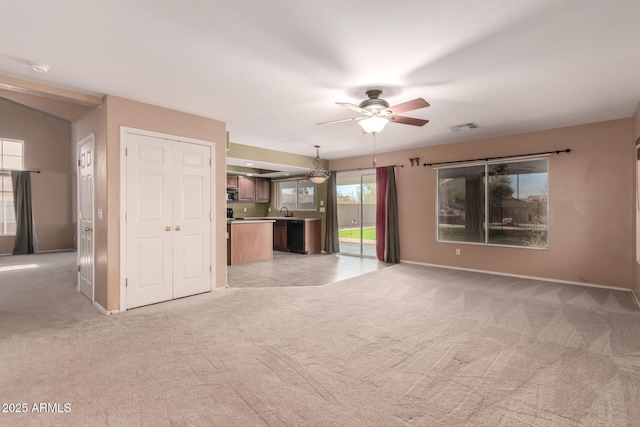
(287, 214)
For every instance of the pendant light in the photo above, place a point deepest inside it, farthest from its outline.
(317, 175)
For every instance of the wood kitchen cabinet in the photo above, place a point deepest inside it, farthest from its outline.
(232, 181)
(280, 236)
(263, 190)
(304, 236)
(246, 189)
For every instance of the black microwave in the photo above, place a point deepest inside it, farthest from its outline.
(232, 194)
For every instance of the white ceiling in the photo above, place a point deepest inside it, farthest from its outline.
(272, 69)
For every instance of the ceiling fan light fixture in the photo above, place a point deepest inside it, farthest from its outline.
(373, 124)
(317, 175)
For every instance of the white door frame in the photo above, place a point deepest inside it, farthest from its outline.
(89, 138)
(124, 131)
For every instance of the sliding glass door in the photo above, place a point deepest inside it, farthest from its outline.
(356, 193)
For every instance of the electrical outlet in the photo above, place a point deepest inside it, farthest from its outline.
(321, 202)
(269, 209)
(457, 251)
(321, 209)
(244, 209)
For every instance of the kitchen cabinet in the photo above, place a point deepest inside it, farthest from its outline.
(263, 190)
(251, 189)
(246, 189)
(280, 236)
(232, 181)
(296, 235)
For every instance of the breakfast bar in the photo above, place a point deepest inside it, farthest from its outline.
(249, 241)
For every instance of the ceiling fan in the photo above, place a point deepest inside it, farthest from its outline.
(376, 112)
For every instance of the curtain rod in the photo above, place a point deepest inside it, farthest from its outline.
(566, 150)
(19, 170)
(372, 167)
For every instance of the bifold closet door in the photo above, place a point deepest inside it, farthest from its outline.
(168, 219)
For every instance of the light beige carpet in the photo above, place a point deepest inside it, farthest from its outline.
(404, 345)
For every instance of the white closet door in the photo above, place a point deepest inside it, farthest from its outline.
(191, 219)
(149, 220)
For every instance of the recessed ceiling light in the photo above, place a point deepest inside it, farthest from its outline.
(248, 164)
(39, 68)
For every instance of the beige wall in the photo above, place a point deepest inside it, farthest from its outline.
(124, 112)
(46, 148)
(590, 193)
(635, 139)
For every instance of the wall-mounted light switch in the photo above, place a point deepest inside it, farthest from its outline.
(100, 214)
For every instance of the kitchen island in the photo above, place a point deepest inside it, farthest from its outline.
(295, 234)
(249, 240)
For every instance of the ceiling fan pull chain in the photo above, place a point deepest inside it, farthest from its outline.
(373, 150)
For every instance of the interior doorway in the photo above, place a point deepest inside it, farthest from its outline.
(85, 217)
(356, 193)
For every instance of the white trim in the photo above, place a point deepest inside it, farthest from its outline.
(124, 130)
(48, 251)
(102, 310)
(123, 224)
(520, 276)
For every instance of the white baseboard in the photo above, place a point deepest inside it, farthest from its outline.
(44, 252)
(103, 310)
(497, 273)
(56, 250)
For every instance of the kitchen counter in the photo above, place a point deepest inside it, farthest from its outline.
(278, 218)
(249, 240)
(249, 220)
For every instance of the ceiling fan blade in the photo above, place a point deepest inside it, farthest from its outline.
(342, 120)
(408, 120)
(408, 106)
(353, 107)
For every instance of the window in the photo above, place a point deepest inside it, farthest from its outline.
(509, 208)
(296, 195)
(11, 158)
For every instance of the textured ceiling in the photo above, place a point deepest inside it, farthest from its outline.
(272, 69)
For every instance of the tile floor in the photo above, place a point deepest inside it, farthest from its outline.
(289, 269)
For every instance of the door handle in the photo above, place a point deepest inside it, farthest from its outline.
(88, 229)
(178, 228)
(167, 228)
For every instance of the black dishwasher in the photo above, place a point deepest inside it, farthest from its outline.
(295, 236)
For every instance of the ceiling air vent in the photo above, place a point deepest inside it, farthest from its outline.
(466, 126)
